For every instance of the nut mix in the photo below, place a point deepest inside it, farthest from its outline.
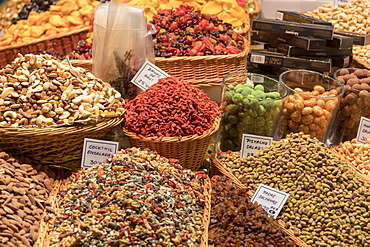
(39, 90)
(247, 109)
(357, 154)
(236, 221)
(309, 111)
(185, 32)
(355, 102)
(24, 193)
(136, 198)
(328, 204)
(171, 108)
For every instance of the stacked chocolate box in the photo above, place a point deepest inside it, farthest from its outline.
(297, 41)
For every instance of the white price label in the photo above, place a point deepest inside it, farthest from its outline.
(363, 132)
(253, 143)
(279, 15)
(95, 152)
(257, 58)
(148, 75)
(272, 200)
(336, 3)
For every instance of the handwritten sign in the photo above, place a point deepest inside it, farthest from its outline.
(148, 75)
(336, 3)
(272, 200)
(253, 143)
(97, 151)
(363, 132)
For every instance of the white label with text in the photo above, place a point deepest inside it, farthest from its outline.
(363, 132)
(148, 75)
(271, 200)
(253, 143)
(95, 152)
(336, 3)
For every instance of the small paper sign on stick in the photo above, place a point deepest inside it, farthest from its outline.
(272, 200)
(148, 75)
(97, 151)
(253, 143)
(363, 132)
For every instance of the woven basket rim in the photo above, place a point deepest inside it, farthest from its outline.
(35, 41)
(62, 129)
(44, 234)
(360, 61)
(210, 57)
(206, 133)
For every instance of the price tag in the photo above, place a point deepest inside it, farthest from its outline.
(257, 58)
(336, 3)
(97, 151)
(148, 75)
(363, 132)
(253, 143)
(272, 200)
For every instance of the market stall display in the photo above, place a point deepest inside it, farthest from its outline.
(312, 104)
(137, 198)
(328, 199)
(251, 104)
(235, 220)
(173, 118)
(25, 193)
(46, 102)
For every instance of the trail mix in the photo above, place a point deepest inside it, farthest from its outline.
(185, 32)
(170, 108)
(40, 90)
(236, 221)
(358, 154)
(136, 198)
(328, 204)
(24, 193)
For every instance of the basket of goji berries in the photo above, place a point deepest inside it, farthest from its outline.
(175, 119)
(198, 48)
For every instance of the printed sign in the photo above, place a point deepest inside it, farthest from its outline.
(272, 200)
(148, 75)
(363, 132)
(336, 3)
(253, 143)
(97, 151)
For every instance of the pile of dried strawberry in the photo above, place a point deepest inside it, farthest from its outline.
(171, 108)
(185, 32)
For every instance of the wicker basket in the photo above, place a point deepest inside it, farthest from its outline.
(197, 70)
(61, 43)
(189, 150)
(358, 62)
(45, 236)
(59, 146)
(204, 69)
(358, 171)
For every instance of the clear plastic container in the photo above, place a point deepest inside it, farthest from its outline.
(311, 105)
(251, 104)
(354, 104)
